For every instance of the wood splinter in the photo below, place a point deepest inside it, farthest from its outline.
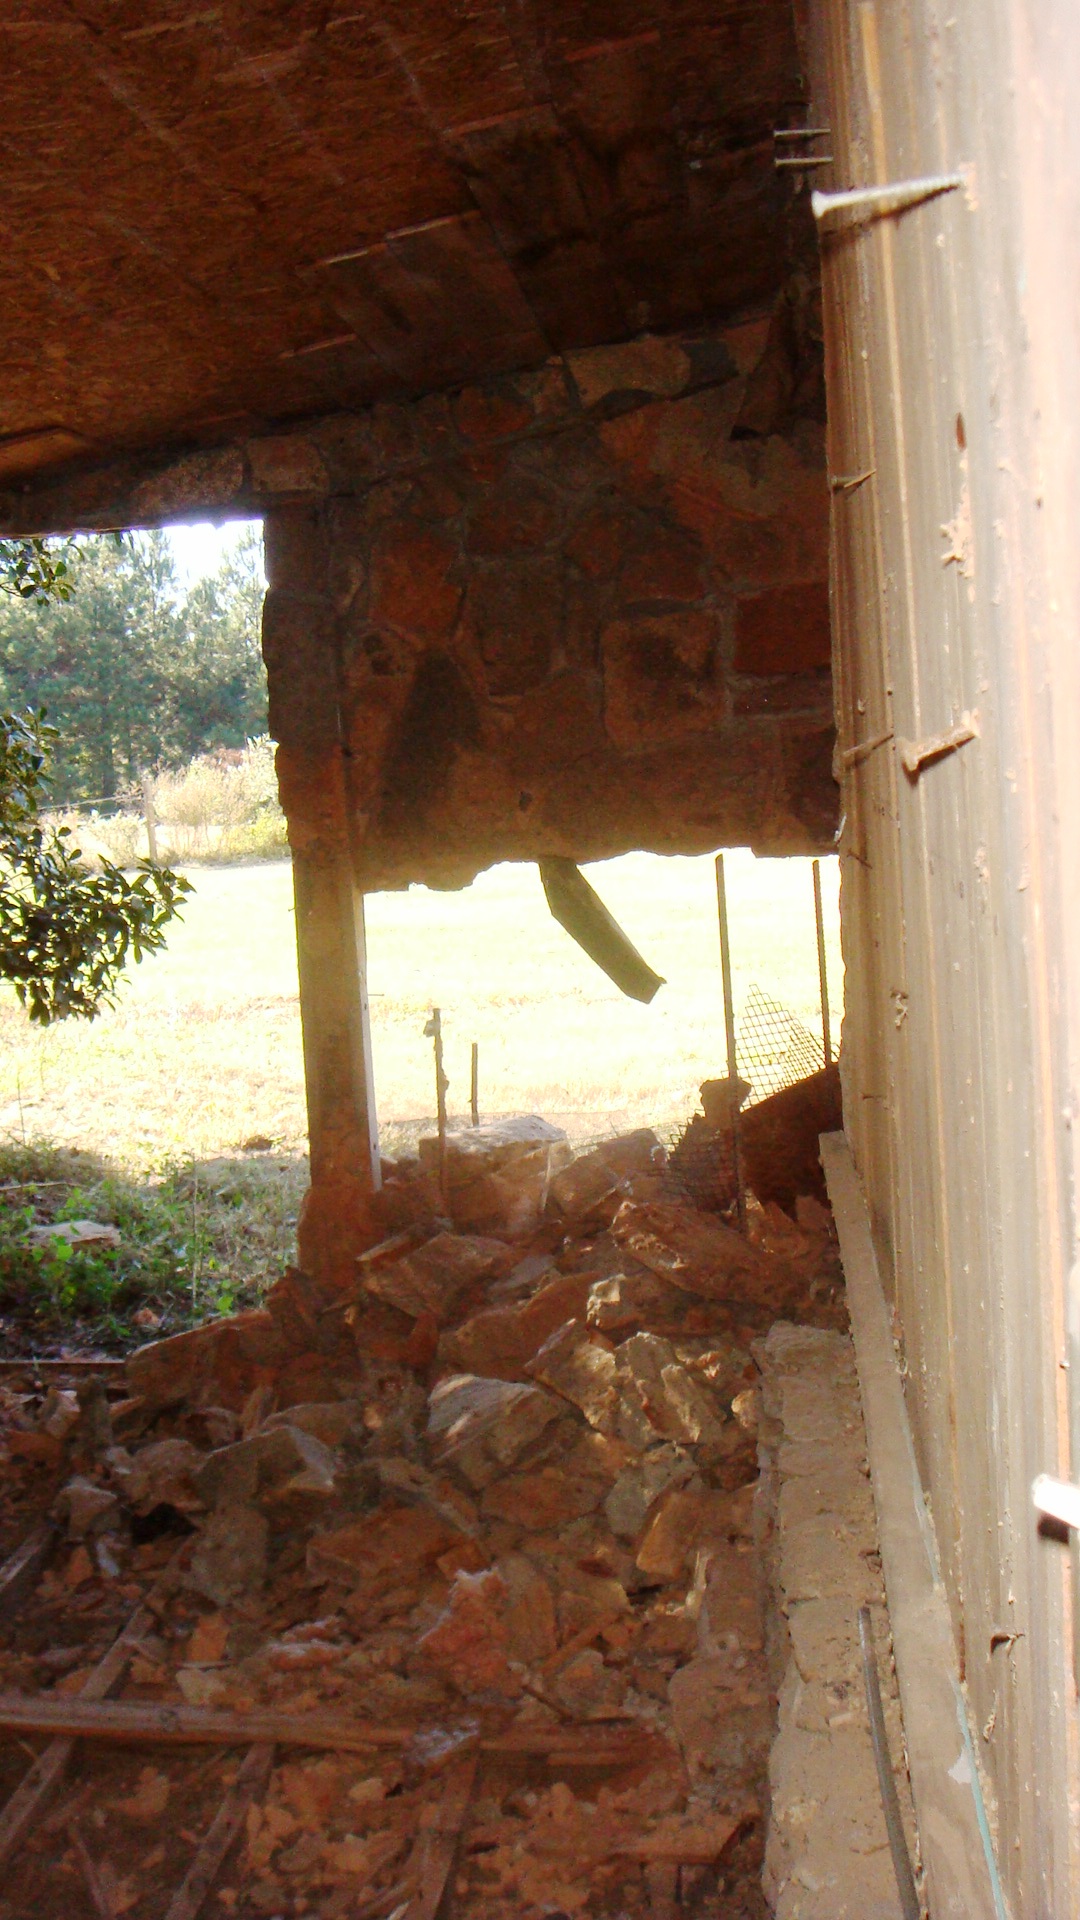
(90, 1716)
(437, 1843)
(34, 1795)
(249, 1785)
(19, 1573)
(916, 754)
(95, 1886)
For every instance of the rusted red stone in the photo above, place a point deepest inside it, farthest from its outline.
(468, 1643)
(783, 631)
(513, 620)
(666, 568)
(491, 412)
(662, 677)
(497, 1343)
(415, 588)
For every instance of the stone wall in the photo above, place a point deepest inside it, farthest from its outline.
(575, 611)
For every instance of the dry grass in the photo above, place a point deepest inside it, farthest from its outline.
(204, 1050)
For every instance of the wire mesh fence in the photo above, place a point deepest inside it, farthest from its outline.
(775, 1049)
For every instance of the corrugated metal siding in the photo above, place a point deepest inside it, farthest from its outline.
(954, 592)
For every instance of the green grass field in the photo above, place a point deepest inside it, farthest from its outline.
(203, 1050)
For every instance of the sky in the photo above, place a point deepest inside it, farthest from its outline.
(199, 550)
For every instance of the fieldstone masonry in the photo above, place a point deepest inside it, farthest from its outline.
(573, 611)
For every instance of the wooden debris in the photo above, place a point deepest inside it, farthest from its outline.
(44, 1368)
(19, 1573)
(95, 1886)
(89, 1716)
(249, 1784)
(437, 1844)
(33, 1795)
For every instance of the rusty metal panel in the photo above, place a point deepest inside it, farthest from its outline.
(950, 326)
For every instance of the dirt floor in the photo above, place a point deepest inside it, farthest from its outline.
(445, 1595)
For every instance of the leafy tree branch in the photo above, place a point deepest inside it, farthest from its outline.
(66, 933)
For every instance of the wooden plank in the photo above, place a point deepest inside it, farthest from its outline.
(437, 1843)
(19, 1573)
(46, 1367)
(250, 1784)
(83, 1716)
(958, 1859)
(95, 1886)
(35, 1793)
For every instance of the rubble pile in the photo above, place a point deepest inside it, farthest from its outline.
(496, 1504)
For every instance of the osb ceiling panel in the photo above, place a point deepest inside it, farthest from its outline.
(220, 216)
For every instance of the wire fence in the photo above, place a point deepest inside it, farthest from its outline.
(775, 1049)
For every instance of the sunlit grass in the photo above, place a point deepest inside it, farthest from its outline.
(203, 1051)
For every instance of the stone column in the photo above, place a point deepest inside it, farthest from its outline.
(301, 662)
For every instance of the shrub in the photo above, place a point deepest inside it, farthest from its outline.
(221, 807)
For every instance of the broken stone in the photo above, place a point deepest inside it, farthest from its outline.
(201, 1686)
(80, 1568)
(723, 1719)
(230, 1556)
(744, 1406)
(530, 1610)
(586, 1689)
(468, 1644)
(295, 1305)
(328, 1421)
(217, 1364)
(672, 1533)
(634, 1299)
(688, 1248)
(523, 1276)
(497, 1342)
(726, 1366)
(479, 1427)
(544, 1500)
(162, 1474)
(148, 1801)
(59, 1413)
(412, 1485)
(813, 1218)
(641, 1484)
(429, 1279)
(85, 1506)
(219, 1423)
(721, 1099)
(659, 1397)
(585, 1600)
(76, 1233)
(394, 1544)
(589, 1188)
(277, 1467)
(582, 1368)
(207, 1645)
(497, 1176)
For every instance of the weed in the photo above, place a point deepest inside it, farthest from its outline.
(196, 1240)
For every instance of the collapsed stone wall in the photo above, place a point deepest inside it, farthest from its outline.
(574, 611)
